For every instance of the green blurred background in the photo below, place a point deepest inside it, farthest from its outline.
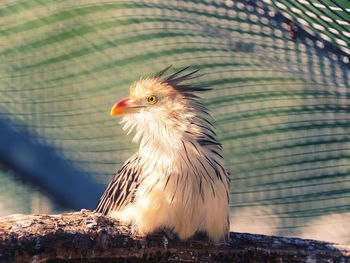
(281, 106)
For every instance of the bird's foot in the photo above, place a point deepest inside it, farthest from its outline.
(168, 234)
(201, 236)
(226, 242)
(165, 242)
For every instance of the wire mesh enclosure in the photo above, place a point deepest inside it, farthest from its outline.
(280, 100)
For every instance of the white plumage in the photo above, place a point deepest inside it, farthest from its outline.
(176, 181)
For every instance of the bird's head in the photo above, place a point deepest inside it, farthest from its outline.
(156, 95)
(148, 96)
(163, 109)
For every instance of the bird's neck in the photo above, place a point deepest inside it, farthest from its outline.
(161, 140)
(165, 139)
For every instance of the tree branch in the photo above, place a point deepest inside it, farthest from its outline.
(88, 237)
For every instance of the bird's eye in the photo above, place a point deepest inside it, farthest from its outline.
(152, 99)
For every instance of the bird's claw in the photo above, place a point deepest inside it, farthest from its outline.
(169, 234)
(165, 242)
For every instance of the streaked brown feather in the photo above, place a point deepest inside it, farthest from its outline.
(121, 189)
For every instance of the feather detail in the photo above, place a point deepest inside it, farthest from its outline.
(175, 79)
(121, 190)
(159, 74)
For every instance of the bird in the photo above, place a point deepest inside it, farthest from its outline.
(176, 181)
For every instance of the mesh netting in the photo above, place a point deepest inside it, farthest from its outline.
(281, 105)
(328, 19)
(17, 195)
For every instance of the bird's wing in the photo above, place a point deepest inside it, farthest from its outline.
(121, 189)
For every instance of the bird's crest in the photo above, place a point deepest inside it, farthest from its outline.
(175, 80)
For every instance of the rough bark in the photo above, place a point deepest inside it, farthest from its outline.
(88, 237)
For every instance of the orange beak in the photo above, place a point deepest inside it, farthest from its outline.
(126, 105)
